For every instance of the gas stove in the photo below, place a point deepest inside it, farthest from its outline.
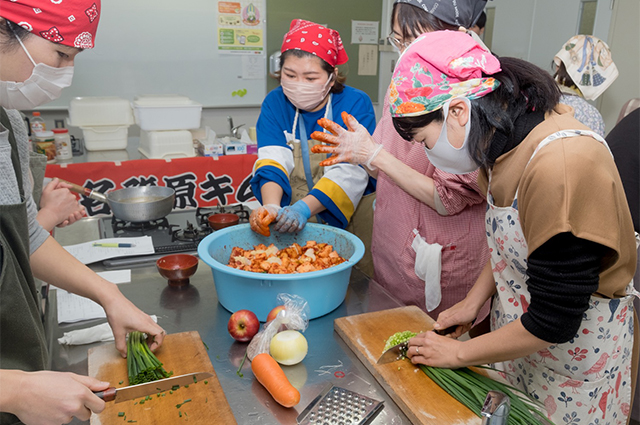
(179, 232)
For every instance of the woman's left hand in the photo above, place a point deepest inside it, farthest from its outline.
(125, 317)
(432, 349)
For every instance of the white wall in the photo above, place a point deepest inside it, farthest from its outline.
(624, 42)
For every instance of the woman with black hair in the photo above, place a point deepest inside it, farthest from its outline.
(428, 241)
(558, 227)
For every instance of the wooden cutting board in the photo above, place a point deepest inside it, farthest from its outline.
(181, 353)
(423, 401)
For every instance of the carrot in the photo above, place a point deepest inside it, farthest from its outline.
(269, 373)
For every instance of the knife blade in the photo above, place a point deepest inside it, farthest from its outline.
(399, 351)
(153, 387)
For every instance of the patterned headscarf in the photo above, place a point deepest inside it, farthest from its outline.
(70, 22)
(316, 39)
(588, 63)
(454, 12)
(437, 67)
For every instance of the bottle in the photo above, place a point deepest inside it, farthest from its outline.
(37, 123)
(45, 144)
(63, 144)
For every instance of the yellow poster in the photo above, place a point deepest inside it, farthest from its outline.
(241, 27)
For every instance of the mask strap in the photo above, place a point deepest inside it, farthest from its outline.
(22, 44)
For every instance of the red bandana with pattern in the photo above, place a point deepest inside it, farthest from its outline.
(70, 22)
(316, 39)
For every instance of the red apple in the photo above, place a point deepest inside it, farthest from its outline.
(243, 325)
(273, 313)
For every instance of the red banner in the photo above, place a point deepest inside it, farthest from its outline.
(198, 182)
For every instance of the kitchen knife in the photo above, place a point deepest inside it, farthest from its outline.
(153, 387)
(399, 351)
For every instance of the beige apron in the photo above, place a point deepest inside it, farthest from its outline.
(361, 223)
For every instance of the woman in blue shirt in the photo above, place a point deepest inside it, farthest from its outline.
(287, 179)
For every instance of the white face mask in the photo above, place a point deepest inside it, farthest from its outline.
(306, 96)
(44, 85)
(447, 158)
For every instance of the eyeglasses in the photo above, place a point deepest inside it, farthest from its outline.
(400, 45)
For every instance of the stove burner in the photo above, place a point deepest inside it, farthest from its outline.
(202, 214)
(120, 227)
(189, 233)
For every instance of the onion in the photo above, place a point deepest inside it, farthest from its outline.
(288, 347)
(311, 254)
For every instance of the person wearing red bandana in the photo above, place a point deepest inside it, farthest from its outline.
(287, 179)
(38, 43)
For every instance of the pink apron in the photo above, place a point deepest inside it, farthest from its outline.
(586, 380)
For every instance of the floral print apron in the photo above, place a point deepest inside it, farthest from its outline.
(586, 380)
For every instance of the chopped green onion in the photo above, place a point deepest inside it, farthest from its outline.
(120, 414)
(142, 365)
(205, 345)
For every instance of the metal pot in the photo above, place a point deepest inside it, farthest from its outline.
(135, 204)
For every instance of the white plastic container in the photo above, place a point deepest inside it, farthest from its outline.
(166, 112)
(103, 138)
(166, 144)
(100, 111)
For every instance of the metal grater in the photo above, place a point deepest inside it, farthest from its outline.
(339, 406)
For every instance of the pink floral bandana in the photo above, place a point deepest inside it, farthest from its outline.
(72, 22)
(439, 66)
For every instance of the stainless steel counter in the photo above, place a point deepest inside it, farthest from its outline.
(196, 308)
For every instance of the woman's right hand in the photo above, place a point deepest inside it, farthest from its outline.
(52, 398)
(355, 146)
(262, 217)
(462, 314)
(59, 204)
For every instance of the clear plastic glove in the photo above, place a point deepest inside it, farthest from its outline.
(355, 146)
(262, 217)
(293, 218)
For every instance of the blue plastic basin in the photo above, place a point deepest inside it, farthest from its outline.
(324, 290)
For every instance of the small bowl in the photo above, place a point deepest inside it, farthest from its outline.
(222, 220)
(177, 268)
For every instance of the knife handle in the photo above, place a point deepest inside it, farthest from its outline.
(447, 331)
(107, 395)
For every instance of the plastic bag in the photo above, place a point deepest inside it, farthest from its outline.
(295, 316)
(428, 267)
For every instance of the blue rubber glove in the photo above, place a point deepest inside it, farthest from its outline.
(293, 218)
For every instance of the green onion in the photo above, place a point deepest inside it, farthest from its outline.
(120, 414)
(470, 388)
(142, 365)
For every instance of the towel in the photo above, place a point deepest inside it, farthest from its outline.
(428, 267)
(99, 333)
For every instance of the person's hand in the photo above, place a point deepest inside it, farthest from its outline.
(262, 217)
(60, 204)
(355, 146)
(432, 349)
(125, 317)
(293, 218)
(54, 398)
(462, 314)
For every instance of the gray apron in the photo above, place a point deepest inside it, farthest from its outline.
(307, 172)
(37, 165)
(22, 338)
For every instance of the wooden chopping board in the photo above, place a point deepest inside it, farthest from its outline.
(422, 400)
(181, 353)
